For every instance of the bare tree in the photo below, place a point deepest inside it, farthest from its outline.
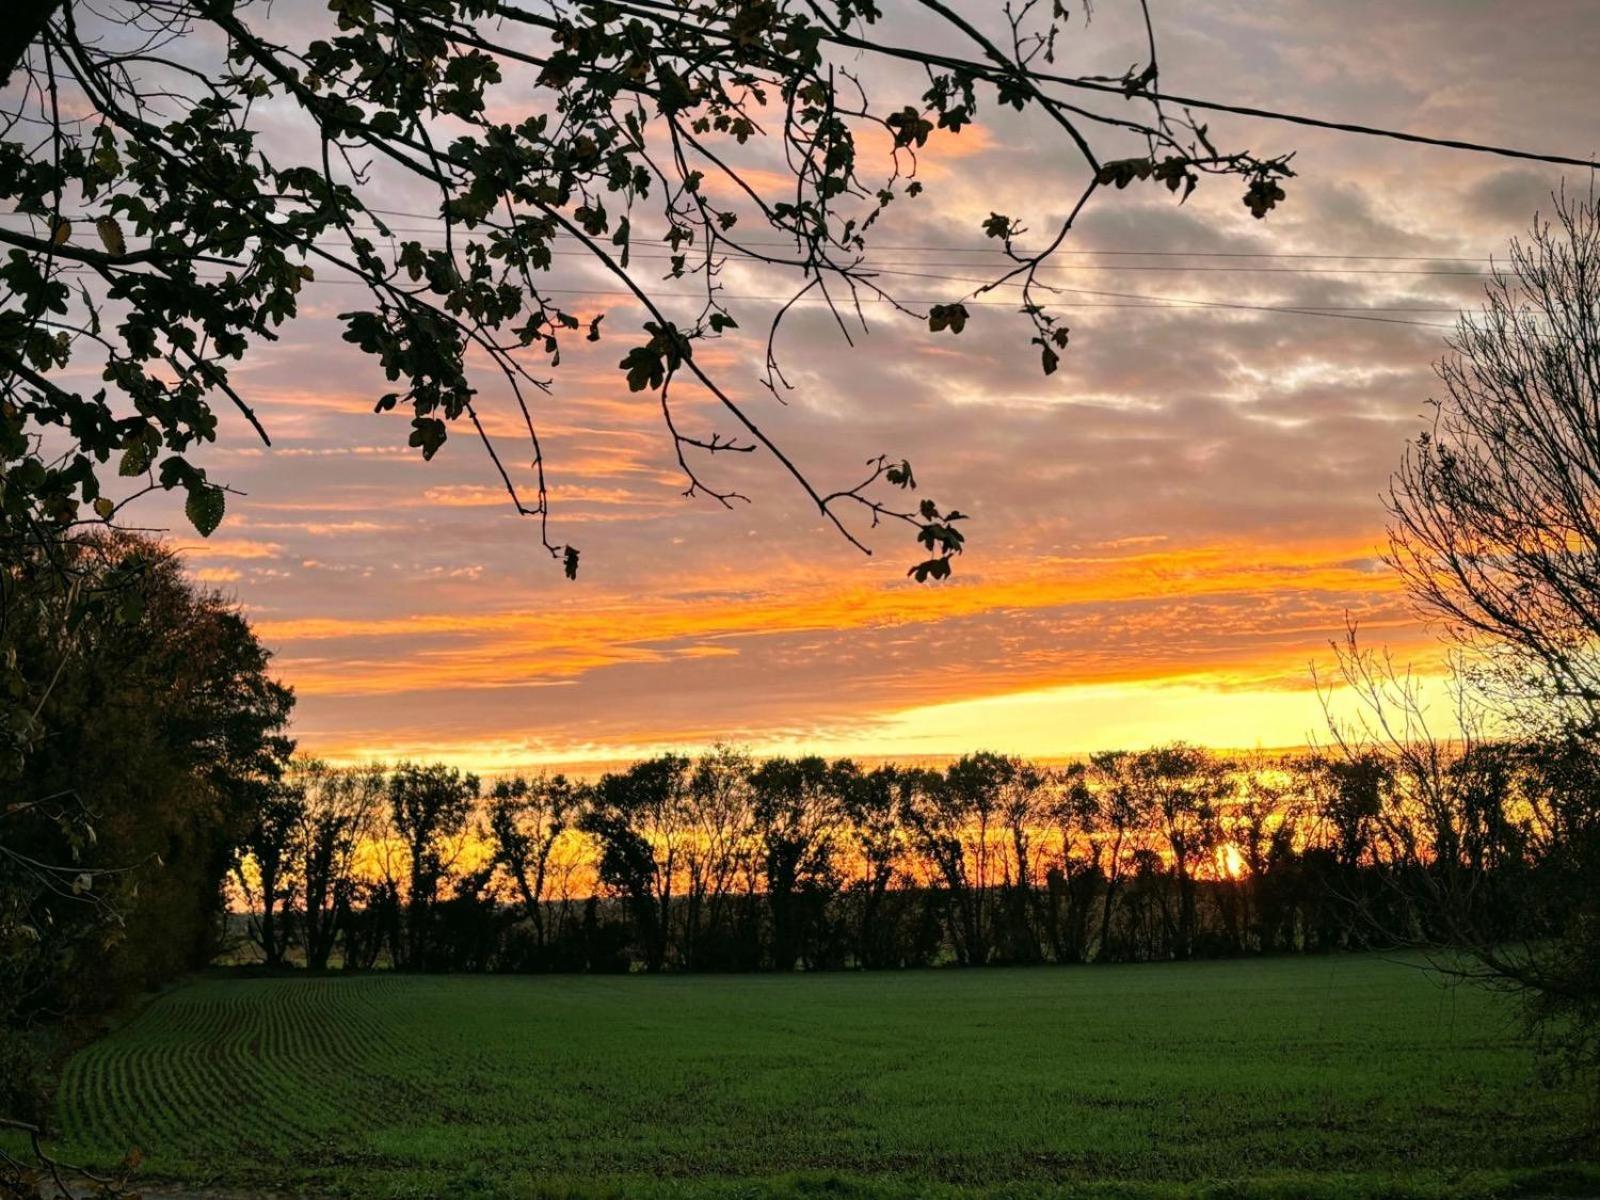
(956, 825)
(1125, 816)
(1496, 530)
(873, 802)
(722, 824)
(266, 870)
(429, 807)
(1026, 797)
(1263, 825)
(1496, 508)
(800, 815)
(1181, 785)
(639, 819)
(337, 813)
(526, 819)
(1488, 849)
(1074, 880)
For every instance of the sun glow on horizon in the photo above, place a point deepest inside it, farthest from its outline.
(1231, 862)
(1220, 712)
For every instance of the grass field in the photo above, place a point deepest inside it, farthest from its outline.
(1341, 1076)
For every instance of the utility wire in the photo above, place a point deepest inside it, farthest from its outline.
(1126, 300)
(930, 247)
(866, 266)
(991, 72)
(992, 249)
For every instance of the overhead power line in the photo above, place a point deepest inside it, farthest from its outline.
(932, 247)
(993, 71)
(1397, 135)
(996, 250)
(882, 266)
(1002, 72)
(1123, 300)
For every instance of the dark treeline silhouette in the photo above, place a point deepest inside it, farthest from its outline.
(127, 780)
(723, 863)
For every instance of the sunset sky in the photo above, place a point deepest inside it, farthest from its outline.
(1164, 535)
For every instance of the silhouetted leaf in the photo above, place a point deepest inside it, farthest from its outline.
(135, 460)
(111, 235)
(204, 508)
(429, 433)
(1262, 196)
(947, 316)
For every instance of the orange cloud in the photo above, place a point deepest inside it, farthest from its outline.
(516, 646)
(228, 548)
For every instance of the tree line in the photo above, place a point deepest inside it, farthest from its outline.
(727, 863)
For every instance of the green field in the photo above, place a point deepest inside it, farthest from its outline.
(1339, 1076)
